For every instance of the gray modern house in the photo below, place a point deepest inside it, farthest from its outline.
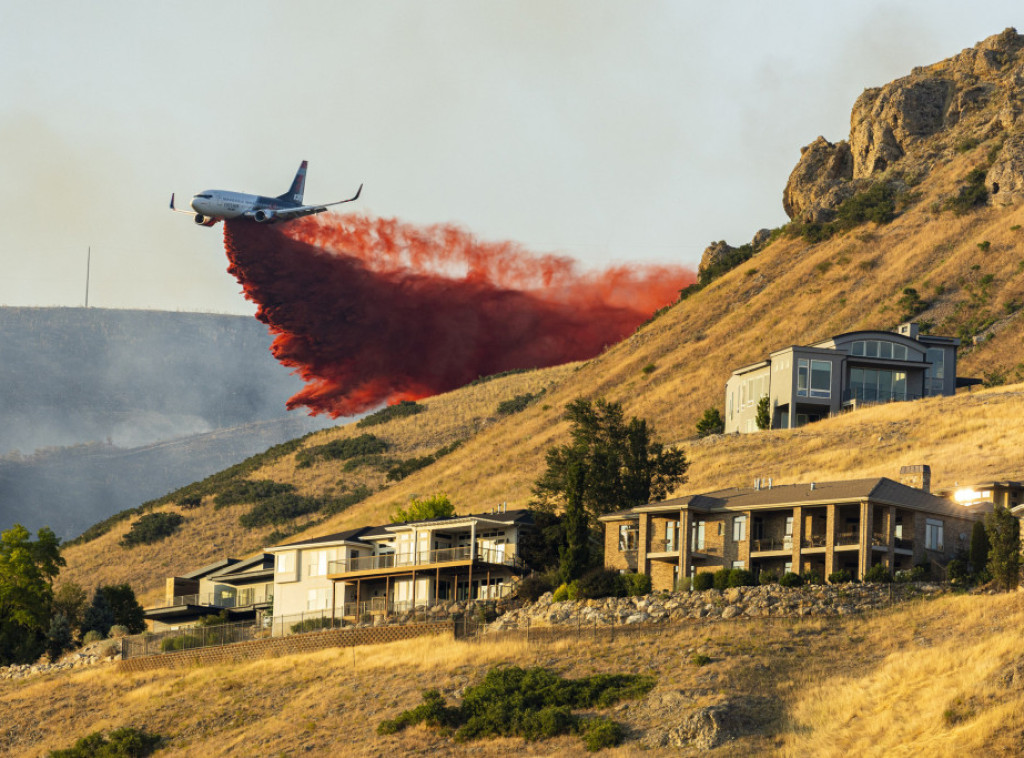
(809, 382)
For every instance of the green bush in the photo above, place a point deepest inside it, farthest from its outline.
(599, 733)
(402, 469)
(703, 580)
(179, 642)
(958, 572)
(789, 579)
(126, 742)
(249, 491)
(720, 580)
(392, 412)
(699, 659)
(842, 576)
(528, 703)
(636, 584)
(342, 450)
(683, 584)
(314, 624)
(518, 403)
(119, 630)
(878, 574)
(767, 577)
(92, 636)
(152, 527)
(601, 583)
(740, 578)
(811, 577)
(570, 591)
(916, 574)
(280, 508)
(532, 587)
(970, 195)
(710, 423)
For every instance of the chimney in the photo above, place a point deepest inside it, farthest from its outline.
(919, 476)
(908, 330)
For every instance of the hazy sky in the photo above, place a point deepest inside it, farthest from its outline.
(611, 131)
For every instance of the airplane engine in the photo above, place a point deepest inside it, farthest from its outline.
(204, 220)
(263, 217)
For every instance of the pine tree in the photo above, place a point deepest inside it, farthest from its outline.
(710, 423)
(763, 417)
(574, 556)
(58, 638)
(1003, 532)
(979, 548)
(98, 616)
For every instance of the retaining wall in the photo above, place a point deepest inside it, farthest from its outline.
(279, 646)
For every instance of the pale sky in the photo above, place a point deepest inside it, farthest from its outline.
(609, 131)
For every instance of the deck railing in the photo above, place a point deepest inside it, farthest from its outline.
(496, 556)
(210, 599)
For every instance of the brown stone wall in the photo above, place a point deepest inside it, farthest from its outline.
(663, 575)
(279, 646)
(613, 557)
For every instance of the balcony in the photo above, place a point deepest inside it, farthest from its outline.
(664, 546)
(865, 395)
(771, 545)
(814, 541)
(243, 598)
(846, 539)
(493, 556)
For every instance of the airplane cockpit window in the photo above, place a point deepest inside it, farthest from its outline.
(206, 196)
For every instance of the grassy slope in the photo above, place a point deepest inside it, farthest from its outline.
(943, 677)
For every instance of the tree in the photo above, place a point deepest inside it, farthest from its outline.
(763, 417)
(69, 600)
(574, 557)
(58, 637)
(98, 616)
(622, 466)
(979, 548)
(1003, 533)
(124, 607)
(710, 423)
(433, 507)
(27, 570)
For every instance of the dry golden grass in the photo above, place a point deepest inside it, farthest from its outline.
(937, 677)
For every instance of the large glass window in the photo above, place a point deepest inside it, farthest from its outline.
(936, 373)
(879, 349)
(821, 379)
(873, 385)
(802, 371)
(629, 535)
(739, 528)
(698, 536)
(933, 534)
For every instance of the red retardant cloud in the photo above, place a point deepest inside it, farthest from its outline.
(371, 310)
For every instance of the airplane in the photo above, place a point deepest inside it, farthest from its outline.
(212, 206)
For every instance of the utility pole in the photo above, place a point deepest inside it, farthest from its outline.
(88, 265)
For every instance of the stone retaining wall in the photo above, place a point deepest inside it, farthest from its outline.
(278, 646)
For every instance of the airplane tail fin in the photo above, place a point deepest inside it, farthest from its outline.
(298, 187)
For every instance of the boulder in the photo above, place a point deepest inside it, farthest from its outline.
(822, 167)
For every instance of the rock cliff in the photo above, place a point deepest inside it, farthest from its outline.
(901, 131)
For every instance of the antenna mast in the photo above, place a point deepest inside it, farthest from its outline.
(88, 265)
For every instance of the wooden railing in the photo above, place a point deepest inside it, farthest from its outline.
(497, 556)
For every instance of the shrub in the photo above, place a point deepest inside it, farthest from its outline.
(570, 591)
(916, 574)
(699, 659)
(648, 369)
(683, 584)
(599, 733)
(636, 585)
(280, 508)
(740, 578)
(958, 572)
(402, 469)
(811, 577)
(720, 579)
(126, 742)
(532, 587)
(970, 195)
(710, 423)
(399, 410)
(789, 579)
(517, 403)
(842, 576)
(249, 491)
(342, 450)
(152, 527)
(601, 583)
(179, 642)
(767, 577)
(119, 630)
(528, 703)
(879, 574)
(314, 625)
(92, 636)
(58, 637)
(703, 580)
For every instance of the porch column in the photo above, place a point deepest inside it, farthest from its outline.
(437, 583)
(830, 539)
(334, 601)
(890, 537)
(414, 590)
(866, 532)
(472, 541)
(798, 535)
(643, 535)
(359, 583)
(387, 595)
(683, 538)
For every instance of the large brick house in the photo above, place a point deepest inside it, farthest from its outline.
(816, 526)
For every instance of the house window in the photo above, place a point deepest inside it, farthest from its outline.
(697, 542)
(739, 564)
(821, 379)
(935, 374)
(629, 535)
(932, 534)
(739, 529)
(285, 563)
(316, 600)
(671, 529)
(801, 377)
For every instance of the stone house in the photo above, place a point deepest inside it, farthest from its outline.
(817, 526)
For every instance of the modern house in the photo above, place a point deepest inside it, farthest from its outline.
(817, 526)
(1007, 493)
(393, 568)
(242, 588)
(810, 382)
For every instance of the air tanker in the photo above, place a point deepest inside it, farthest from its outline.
(212, 206)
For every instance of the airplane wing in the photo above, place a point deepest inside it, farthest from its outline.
(287, 214)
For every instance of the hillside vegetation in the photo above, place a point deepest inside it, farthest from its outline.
(946, 253)
(942, 677)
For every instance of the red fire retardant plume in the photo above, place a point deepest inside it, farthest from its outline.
(372, 310)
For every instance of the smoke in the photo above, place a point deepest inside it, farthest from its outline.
(369, 310)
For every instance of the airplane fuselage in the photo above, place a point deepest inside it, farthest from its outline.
(226, 204)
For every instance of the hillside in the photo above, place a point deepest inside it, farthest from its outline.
(821, 275)
(939, 677)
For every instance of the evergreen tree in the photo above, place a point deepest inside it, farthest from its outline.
(58, 638)
(124, 607)
(574, 556)
(710, 423)
(1003, 532)
(98, 616)
(763, 417)
(979, 548)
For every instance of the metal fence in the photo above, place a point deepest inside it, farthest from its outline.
(190, 638)
(495, 555)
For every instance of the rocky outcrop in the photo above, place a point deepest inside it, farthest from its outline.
(769, 600)
(714, 254)
(905, 128)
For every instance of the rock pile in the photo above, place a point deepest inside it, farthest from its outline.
(769, 600)
(72, 661)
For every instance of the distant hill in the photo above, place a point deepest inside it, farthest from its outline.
(77, 375)
(932, 230)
